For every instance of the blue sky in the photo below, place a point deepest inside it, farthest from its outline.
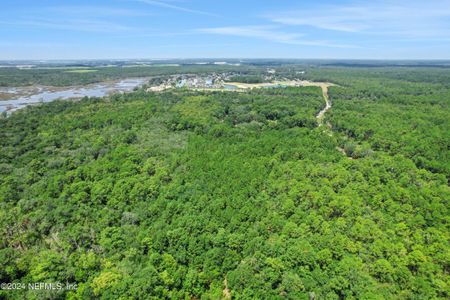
(91, 29)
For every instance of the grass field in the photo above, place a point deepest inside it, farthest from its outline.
(81, 71)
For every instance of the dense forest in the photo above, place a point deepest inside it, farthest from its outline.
(217, 195)
(402, 111)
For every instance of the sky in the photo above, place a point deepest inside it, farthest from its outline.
(127, 29)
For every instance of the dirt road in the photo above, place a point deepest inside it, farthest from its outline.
(324, 86)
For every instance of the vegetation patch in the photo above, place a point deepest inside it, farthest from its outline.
(247, 79)
(199, 195)
(81, 71)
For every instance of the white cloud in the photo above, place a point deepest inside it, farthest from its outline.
(395, 18)
(94, 10)
(269, 33)
(73, 24)
(167, 4)
(264, 32)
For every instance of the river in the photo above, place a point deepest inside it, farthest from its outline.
(48, 94)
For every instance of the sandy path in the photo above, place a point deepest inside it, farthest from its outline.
(320, 116)
(324, 86)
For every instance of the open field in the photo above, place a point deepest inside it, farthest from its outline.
(81, 71)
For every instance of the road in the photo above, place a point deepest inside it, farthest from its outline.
(324, 86)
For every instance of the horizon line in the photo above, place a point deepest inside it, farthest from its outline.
(223, 58)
